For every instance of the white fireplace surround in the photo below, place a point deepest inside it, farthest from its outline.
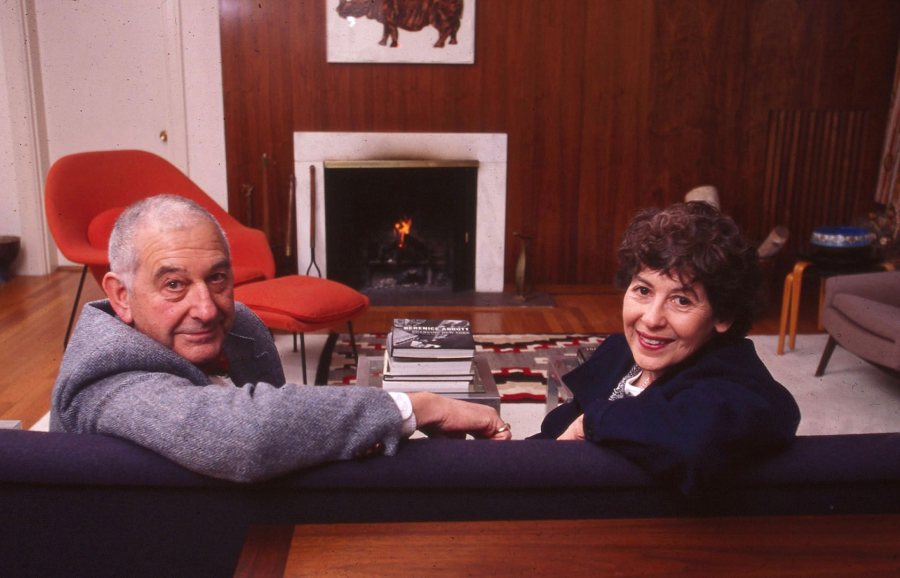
(489, 149)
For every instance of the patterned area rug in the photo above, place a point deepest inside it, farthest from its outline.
(519, 363)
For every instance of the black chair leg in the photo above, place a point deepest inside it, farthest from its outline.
(295, 343)
(303, 356)
(84, 271)
(352, 340)
(826, 356)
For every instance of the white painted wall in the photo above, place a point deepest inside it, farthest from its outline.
(9, 214)
(204, 104)
(21, 153)
(104, 74)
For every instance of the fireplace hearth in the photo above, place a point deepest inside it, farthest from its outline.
(313, 149)
(401, 226)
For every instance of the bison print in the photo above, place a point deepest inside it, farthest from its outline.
(411, 15)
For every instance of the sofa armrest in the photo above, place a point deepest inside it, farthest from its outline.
(56, 458)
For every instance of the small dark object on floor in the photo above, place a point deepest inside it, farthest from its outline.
(9, 250)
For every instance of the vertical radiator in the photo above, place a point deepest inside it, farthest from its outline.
(813, 169)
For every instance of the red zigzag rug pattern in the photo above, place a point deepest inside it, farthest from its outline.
(519, 363)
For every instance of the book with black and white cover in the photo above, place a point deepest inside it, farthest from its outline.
(431, 339)
(432, 383)
(424, 367)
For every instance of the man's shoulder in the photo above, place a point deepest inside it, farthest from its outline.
(99, 306)
(100, 333)
(247, 323)
(97, 315)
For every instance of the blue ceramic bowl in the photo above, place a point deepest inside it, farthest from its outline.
(842, 237)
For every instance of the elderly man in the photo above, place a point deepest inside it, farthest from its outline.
(172, 363)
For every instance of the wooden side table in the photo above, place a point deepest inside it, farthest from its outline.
(790, 300)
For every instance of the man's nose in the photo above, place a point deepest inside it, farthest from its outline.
(202, 305)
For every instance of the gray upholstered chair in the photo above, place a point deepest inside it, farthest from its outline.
(862, 314)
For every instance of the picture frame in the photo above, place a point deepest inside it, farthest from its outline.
(416, 31)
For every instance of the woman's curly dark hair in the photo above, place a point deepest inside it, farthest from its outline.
(697, 243)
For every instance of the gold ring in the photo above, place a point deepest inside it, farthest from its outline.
(503, 428)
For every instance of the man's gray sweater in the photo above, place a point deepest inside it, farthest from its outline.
(115, 380)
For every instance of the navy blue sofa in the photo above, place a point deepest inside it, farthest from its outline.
(90, 505)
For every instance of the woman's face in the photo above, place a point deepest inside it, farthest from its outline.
(666, 321)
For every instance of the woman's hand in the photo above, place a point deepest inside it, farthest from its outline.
(574, 431)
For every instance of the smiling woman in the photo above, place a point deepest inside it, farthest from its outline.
(666, 321)
(681, 391)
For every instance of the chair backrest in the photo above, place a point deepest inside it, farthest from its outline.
(93, 187)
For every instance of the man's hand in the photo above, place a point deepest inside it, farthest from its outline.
(574, 431)
(440, 416)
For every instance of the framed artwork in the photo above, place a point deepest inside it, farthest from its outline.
(401, 31)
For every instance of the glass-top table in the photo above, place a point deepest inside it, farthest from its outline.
(562, 362)
(483, 389)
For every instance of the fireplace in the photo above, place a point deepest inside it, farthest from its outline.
(317, 153)
(401, 226)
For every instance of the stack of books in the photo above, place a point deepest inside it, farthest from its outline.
(429, 355)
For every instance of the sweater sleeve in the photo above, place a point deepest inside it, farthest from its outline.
(242, 434)
(114, 380)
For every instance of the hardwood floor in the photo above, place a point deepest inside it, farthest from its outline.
(34, 312)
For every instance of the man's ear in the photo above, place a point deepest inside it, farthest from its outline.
(118, 296)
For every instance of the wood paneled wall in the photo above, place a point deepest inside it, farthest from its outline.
(610, 106)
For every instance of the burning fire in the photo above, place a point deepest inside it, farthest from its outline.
(401, 229)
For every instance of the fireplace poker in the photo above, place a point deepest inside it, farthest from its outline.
(312, 222)
(292, 192)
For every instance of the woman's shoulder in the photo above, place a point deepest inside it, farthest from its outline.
(611, 345)
(613, 351)
(604, 368)
(733, 362)
(739, 353)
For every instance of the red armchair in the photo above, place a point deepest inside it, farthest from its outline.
(86, 192)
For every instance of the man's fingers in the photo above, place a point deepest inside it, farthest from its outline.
(439, 416)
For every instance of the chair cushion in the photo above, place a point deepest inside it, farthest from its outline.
(287, 324)
(878, 318)
(101, 226)
(246, 274)
(308, 299)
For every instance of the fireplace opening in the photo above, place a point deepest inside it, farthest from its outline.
(401, 226)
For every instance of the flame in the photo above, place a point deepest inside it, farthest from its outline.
(401, 229)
